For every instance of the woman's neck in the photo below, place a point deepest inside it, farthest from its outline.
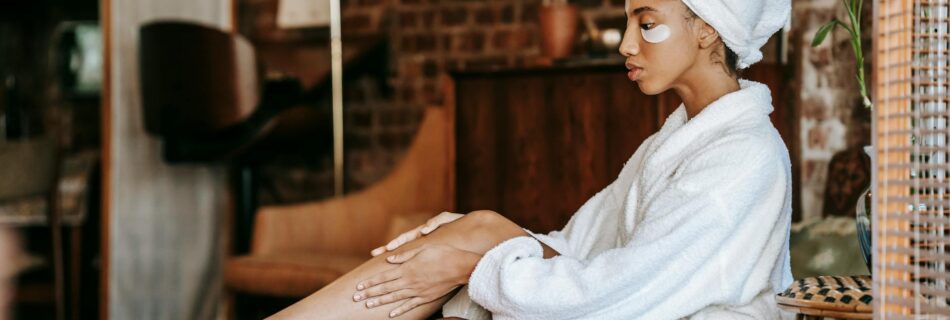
(703, 86)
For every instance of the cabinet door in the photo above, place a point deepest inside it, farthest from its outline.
(535, 146)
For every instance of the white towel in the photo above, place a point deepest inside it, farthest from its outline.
(744, 25)
(696, 225)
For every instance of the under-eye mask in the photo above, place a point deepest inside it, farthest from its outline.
(657, 34)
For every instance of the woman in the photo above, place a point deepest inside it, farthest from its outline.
(696, 224)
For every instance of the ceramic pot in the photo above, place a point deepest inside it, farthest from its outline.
(558, 29)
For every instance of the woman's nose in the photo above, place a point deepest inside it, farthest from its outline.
(629, 46)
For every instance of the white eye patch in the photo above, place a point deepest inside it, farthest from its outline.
(657, 34)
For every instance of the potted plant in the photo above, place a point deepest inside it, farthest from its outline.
(558, 20)
(853, 26)
(853, 8)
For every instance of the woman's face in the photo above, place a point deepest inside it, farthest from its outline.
(659, 43)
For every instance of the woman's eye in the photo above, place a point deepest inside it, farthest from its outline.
(647, 26)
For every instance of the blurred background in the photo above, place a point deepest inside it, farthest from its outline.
(173, 159)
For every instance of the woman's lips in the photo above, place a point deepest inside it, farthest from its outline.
(634, 74)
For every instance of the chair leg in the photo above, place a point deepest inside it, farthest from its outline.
(245, 185)
(75, 270)
(57, 244)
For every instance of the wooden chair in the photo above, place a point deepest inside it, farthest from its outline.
(297, 249)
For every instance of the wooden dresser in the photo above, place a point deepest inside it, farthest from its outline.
(534, 144)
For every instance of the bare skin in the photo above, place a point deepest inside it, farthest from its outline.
(475, 234)
(690, 62)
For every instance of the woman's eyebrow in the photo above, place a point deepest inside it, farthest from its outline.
(640, 10)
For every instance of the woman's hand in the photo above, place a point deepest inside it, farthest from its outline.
(423, 275)
(427, 228)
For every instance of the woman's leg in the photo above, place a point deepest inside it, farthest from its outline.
(478, 231)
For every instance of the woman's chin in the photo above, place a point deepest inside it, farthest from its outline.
(647, 89)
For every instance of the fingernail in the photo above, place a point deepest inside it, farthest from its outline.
(359, 286)
(370, 304)
(393, 314)
(391, 258)
(357, 297)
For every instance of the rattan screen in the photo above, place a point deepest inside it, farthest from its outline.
(910, 191)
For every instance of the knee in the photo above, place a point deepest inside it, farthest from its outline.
(492, 221)
(485, 217)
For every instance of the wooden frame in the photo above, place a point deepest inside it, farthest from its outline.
(910, 78)
(105, 18)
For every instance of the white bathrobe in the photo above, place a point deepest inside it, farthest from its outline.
(695, 226)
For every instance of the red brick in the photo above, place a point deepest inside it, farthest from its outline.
(356, 22)
(430, 68)
(485, 16)
(454, 16)
(529, 13)
(507, 13)
(409, 68)
(501, 40)
(586, 4)
(425, 43)
(428, 19)
(470, 42)
(409, 20)
(407, 44)
(444, 42)
(406, 93)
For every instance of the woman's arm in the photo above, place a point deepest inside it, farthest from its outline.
(710, 241)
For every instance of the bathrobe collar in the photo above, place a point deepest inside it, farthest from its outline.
(752, 101)
(678, 139)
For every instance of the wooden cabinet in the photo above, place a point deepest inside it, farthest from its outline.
(535, 144)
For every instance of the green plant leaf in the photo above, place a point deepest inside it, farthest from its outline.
(823, 32)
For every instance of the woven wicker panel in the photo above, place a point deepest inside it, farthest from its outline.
(830, 293)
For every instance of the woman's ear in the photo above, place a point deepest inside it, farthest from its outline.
(707, 35)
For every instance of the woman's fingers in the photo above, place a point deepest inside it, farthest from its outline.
(435, 222)
(390, 298)
(410, 304)
(404, 256)
(372, 294)
(427, 228)
(399, 241)
(382, 277)
(402, 239)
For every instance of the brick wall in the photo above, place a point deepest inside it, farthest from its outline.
(432, 37)
(826, 93)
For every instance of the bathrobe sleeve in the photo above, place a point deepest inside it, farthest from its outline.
(698, 236)
(580, 234)
(576, 239)
(462, 306)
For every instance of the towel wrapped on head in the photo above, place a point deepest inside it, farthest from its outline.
(744, 25)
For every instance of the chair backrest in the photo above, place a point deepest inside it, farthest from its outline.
(195, 80)
(419, 185)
